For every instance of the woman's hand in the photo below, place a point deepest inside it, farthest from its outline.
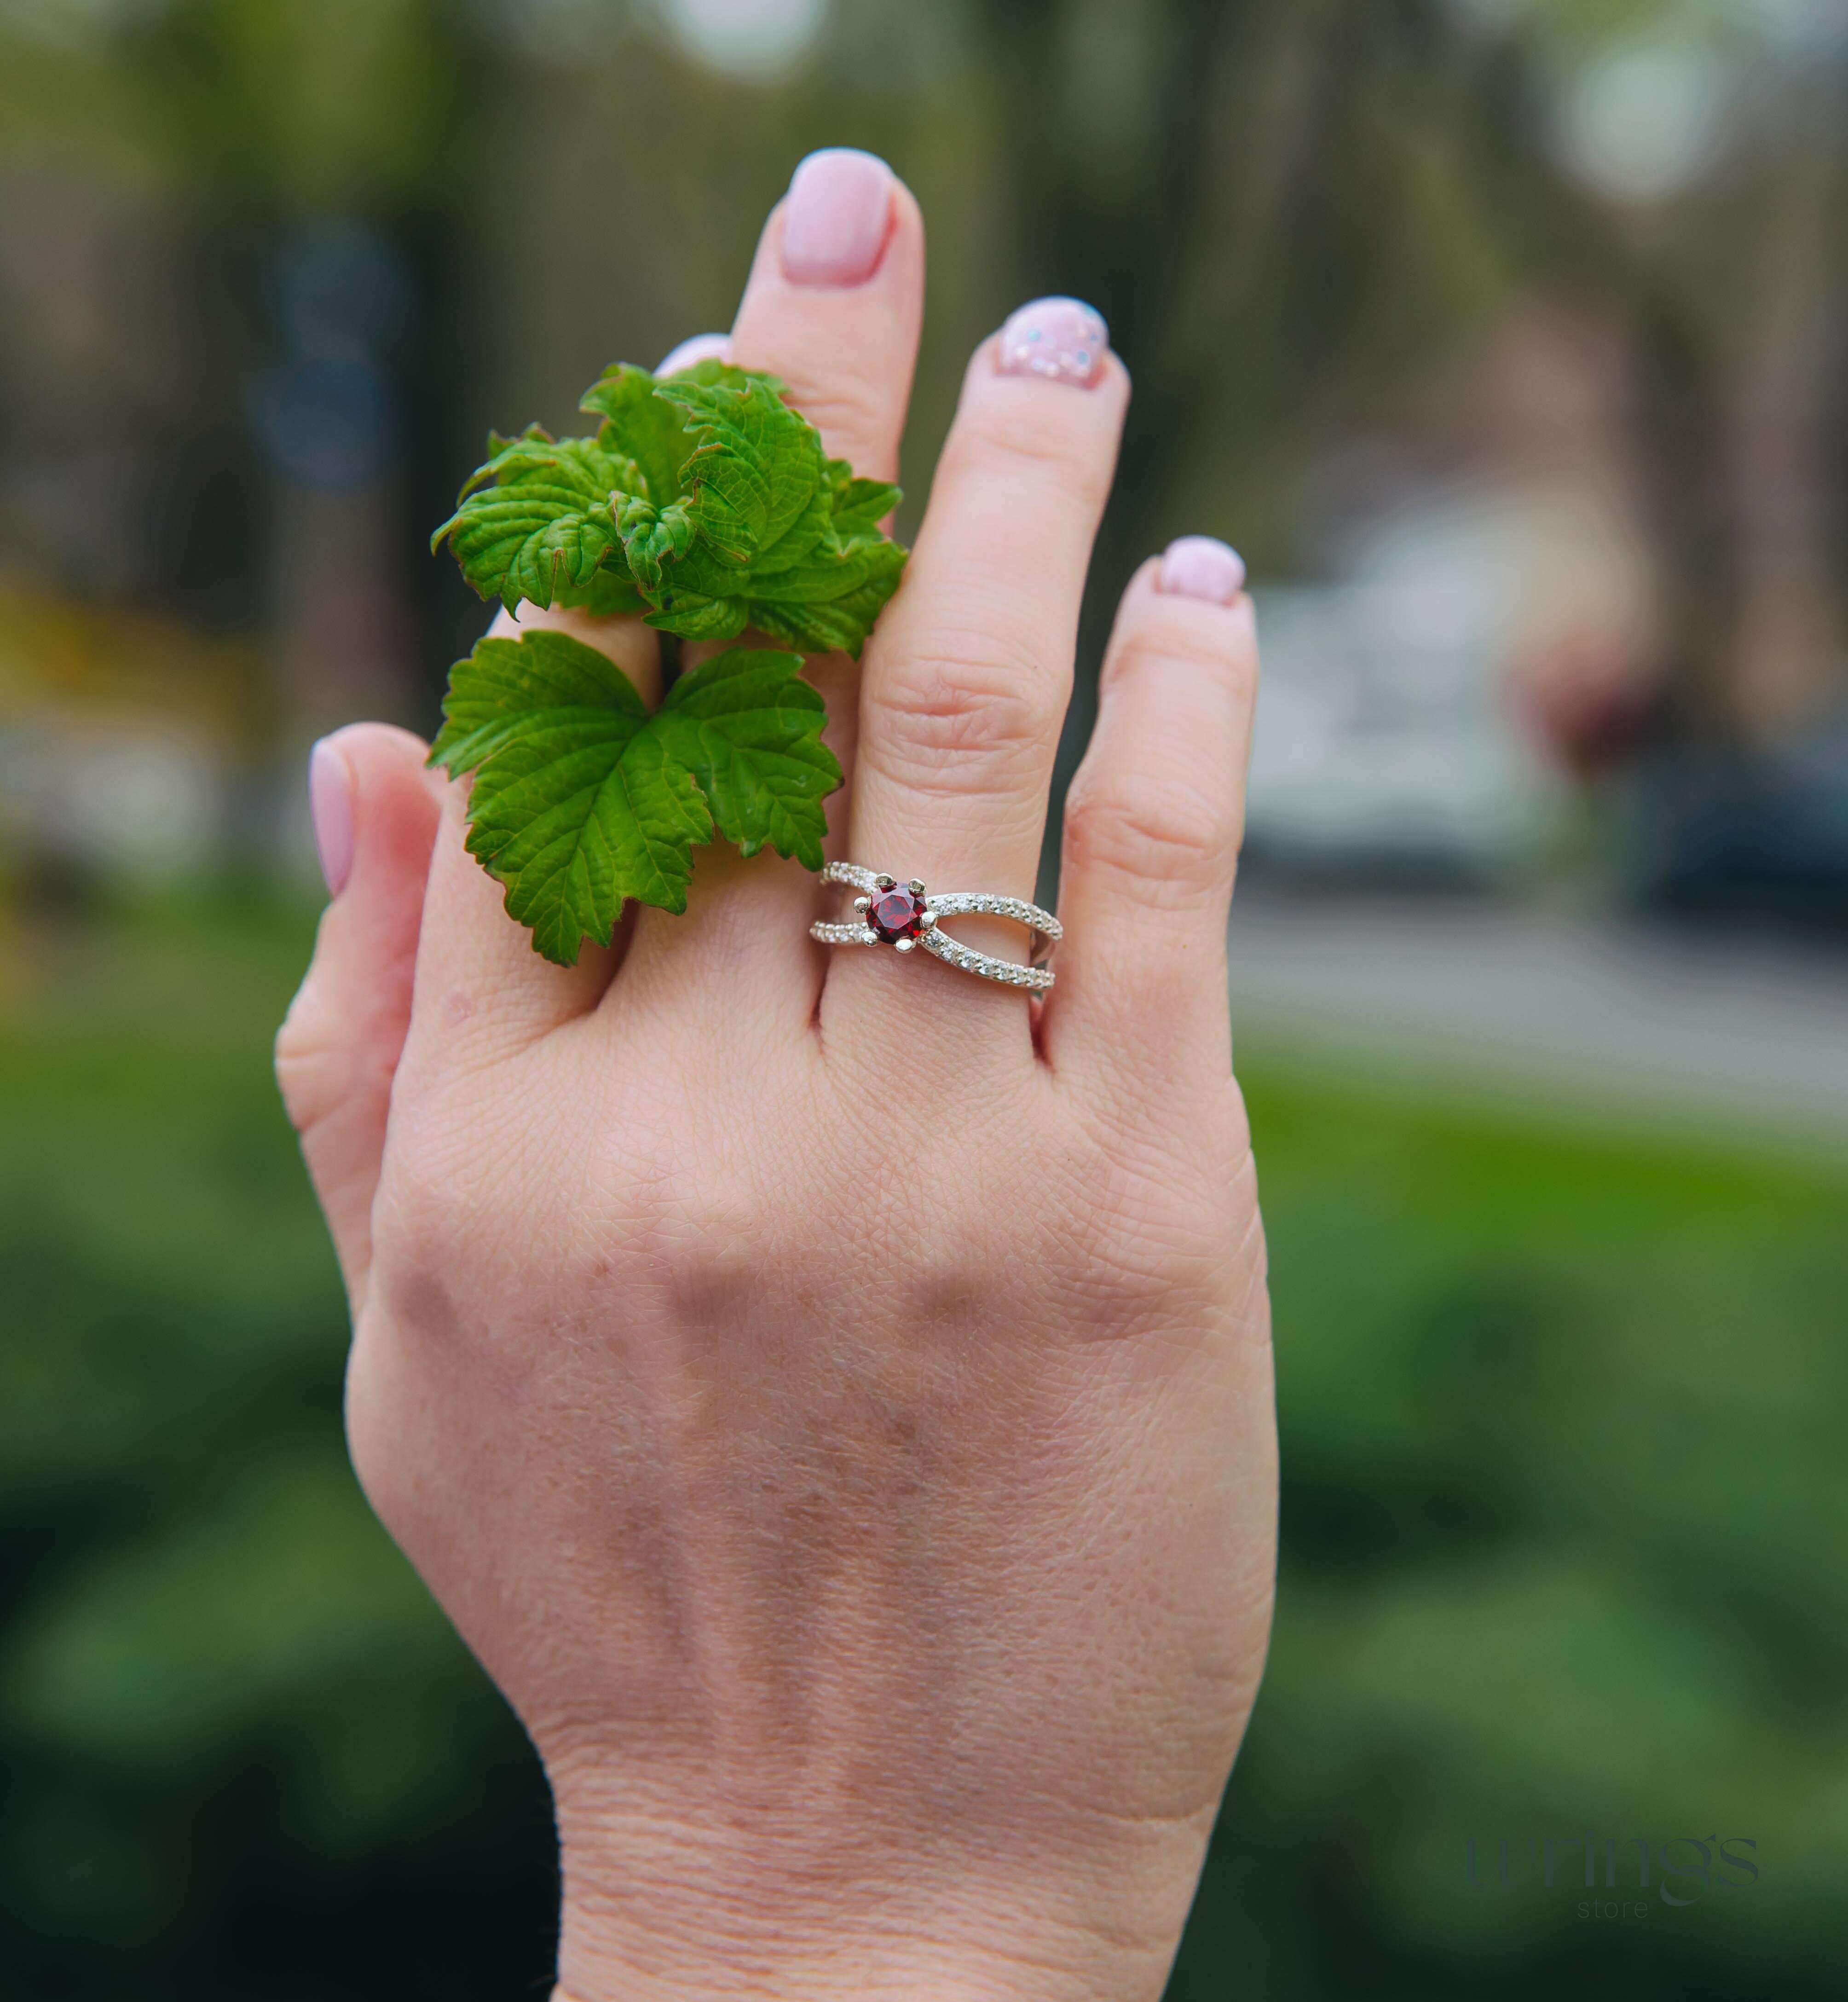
(835, 1407)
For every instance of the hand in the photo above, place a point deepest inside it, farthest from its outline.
(835, 1405)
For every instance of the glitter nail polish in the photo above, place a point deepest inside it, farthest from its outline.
(1063, 341)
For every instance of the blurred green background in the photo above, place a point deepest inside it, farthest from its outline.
(1510, 342)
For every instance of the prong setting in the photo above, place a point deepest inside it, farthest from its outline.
(904, 945)
(893, 913)
(928, 921)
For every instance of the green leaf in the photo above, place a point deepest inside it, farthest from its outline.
(816, 574)
(639, 424)
(581, 799)
(694, 615)
(652, 536)
(750, 732)
(829, 605)
(704, 502)
(535, 523)
(503, 683)
(859, 505)
(756, 469)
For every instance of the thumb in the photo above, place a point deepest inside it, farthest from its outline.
(375, 814)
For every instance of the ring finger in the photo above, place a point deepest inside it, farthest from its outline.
(968, 678)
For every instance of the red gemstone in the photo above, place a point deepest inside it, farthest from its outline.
(896, 913)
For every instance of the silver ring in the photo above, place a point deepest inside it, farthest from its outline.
(905, 914)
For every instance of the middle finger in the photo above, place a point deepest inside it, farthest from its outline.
(834, 306)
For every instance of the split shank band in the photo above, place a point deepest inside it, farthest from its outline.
(905, 914)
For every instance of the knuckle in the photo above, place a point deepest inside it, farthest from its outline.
(688, 1216)
(1147, 1255)
(331, 1064)
(1000, 435)
(980, 708)
(424, 1222)
(851, 409)
(1184, 645)
(376, 1445)
(452, 1195)
(1159, 1235)
(1170, 832)
(313, 1070)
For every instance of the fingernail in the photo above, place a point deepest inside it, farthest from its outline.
(330, 804)
(1198, 566)
(700, 347)
(1063, 340)
(837, 218)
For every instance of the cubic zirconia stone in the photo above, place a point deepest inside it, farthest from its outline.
(896, 913)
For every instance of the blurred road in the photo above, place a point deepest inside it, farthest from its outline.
(1596, 1012)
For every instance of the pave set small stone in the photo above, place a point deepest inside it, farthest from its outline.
(907, 915)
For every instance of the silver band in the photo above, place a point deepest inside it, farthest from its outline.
(1046, 929)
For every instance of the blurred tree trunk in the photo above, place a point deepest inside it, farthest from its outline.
(1792, 662)
(1689, 505)
(1162, 151)
(1739, 409)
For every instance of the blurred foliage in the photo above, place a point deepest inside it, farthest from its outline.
(1286, 210)
(1564, 1410)
(230, 1714)
(1278, 208)
(296, 105)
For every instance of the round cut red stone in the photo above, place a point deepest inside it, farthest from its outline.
(896, 913)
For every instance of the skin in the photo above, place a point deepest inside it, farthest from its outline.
(832, 1399)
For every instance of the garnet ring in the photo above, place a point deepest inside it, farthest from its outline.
(905, 914)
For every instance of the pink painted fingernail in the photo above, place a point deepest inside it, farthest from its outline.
(838, 216)
(1062, 340)
(1199, 567)
(330, 805)
(698, 347)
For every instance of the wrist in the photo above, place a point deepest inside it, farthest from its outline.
(890, 1967)
(895, 1964)
(666, 1913)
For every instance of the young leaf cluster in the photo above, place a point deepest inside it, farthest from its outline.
(582, 798)
(704, 503)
